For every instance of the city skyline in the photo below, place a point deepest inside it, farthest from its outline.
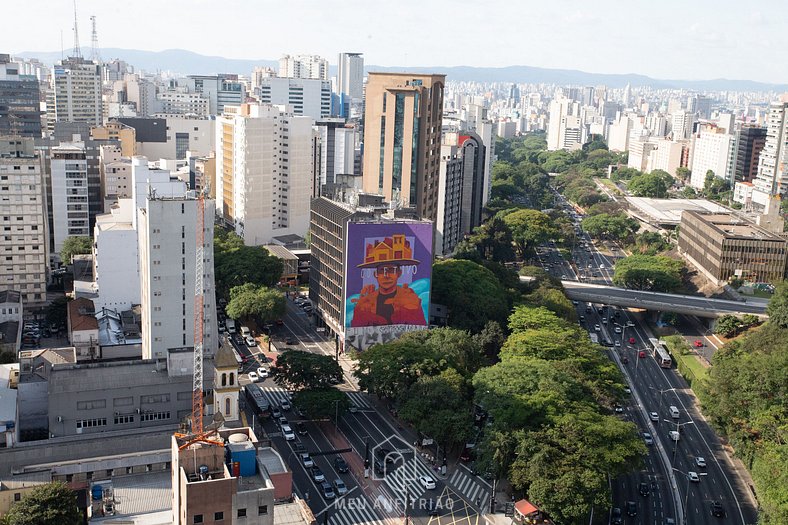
(689, 42)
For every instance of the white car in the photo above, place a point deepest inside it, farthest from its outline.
(285, 405)
(427, 482)
(647, 438)
(288, 433)
(617, 330)
(653, 416)
(306, 459)
(674, 435)
(253, 377)
(693, 476)
(700, 461)
(250, 341)
(262, 372)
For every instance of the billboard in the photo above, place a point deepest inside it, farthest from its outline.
(388, 270)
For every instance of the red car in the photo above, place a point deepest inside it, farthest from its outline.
(632, 340)
(642, 353)
(698, 343)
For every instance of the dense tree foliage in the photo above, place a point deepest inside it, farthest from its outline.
(491, 241)
(529, 228)
(778, 305)
(322, 402)
(75, 246)
(716, 188)
(50, 504)
(235, 264)
(471, 292)
(654, 184)
(746, 396)
(649, 243)
(650, 273)
(299, 370)
(249, 301)
(617, 227)
(57, 311)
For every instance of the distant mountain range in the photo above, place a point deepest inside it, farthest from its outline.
(187, 62)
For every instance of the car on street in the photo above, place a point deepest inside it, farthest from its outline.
(632, 340)
(693, 476)
(253, 377)
(597, 328)
(618, 409)
(285, 405)
(643, 489)
(306, 459)
(627, 390)
(291, 341)
(301, 429)
(275, 412)
(250, 341)
(298, 446)
(317, 475)
(288, 433)
(618, 343)
(674, 435)
(632, 508)
(717, 510)
(642, 354)
(647, 438)
(700, 461)
(282, 421)
(339, 487)
(653, 416)
(617, 329)
(427, 482)
(341, 465)
(328, 490)
(616, 517)
(698, 343)
(670, 521)
(386, 455)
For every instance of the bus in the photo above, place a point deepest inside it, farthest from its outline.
(662, 356)
(257, 400)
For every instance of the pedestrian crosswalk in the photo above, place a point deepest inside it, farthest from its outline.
(472, 487)
(405, 479)
(359, 400)
(276, 395)
(353, 511)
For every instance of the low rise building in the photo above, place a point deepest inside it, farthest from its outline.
(724, 246)
(83, 328)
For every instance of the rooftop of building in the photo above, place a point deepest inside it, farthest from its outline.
(9, 330)
(296, 513)
(82, 314)
(10, 296)
(109, 375)
(280, 251)
(733, 227)
(141, 499)
(668, 211)
(225, 358)
(118, 328)
(7, 408)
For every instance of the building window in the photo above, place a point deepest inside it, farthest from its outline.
(154, 416)
(227, 406)
(218, 516)
(124, 419)
(241, 513)
(198, 518)
(90, 423)
(18, 497)
(262, 510)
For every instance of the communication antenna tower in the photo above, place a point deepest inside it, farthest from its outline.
(95, 54)
(77, 51)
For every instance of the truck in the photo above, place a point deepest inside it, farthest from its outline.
(230, 324)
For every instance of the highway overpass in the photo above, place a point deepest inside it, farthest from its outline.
(663, 302)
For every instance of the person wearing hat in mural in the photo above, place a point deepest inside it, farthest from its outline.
(390, 303)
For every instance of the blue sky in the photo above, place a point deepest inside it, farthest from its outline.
(675, 39)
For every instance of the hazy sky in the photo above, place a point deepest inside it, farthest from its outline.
(668, 39)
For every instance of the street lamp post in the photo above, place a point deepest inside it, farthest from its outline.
(660, 394)
(678, 432)
(686, 494)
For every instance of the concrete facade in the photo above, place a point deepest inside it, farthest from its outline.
(308, 97)
(76, 85)
(20, 110)
(23, 205)
(724, 246)
(402, 137)
(265, 171)
(70, 199)
(338, 147)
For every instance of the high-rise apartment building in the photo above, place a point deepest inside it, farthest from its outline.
(350, 75)
(681, 124)
(20, 110)
(303, 66)
(462, 189)
(22, 219)
(402, 138)
(566, 129)
(749, 143)
(264, 171)
(308, 97)
(338, 150)
(712, 149)
(166, 229)
(76, 87)
(70, 201)
(772, 177)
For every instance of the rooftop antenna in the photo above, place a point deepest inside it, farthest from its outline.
(62, 53)
(77, 52)
(95, 54)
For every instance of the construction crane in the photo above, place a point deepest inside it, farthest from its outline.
(197, 433)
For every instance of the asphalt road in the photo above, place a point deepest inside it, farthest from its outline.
(655, 389)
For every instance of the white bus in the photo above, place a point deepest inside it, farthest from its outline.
(662, 356)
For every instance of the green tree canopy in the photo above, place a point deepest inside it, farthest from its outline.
(493, 240)
(50, 504)
(654, 184)
(617, 227)
(529, 228)
(471, 292)
(299, 370)
(75, 246)
(650, 243)
(649, 272)
(778, 305)
(322, 403)
(236, 264)
(258, 302)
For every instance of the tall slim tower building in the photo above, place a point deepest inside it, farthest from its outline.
(350, 75)
(402, 138)
(76, 86)
(772, 177)
(20, 111)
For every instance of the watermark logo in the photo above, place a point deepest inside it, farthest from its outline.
(394, 457)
